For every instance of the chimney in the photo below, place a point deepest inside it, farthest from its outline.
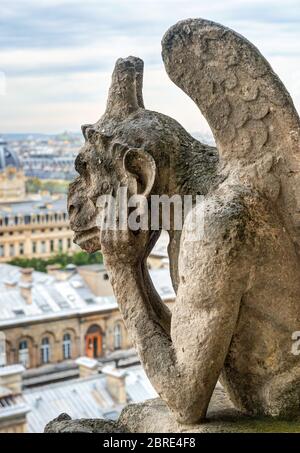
(60, 274)
(116, 385)
(87, 367)
(52, 269)
(11, 378)
(26, 274)
(25, 284)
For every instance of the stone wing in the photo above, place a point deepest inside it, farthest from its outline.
(251, 114)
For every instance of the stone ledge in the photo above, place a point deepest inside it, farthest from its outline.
(152, 416)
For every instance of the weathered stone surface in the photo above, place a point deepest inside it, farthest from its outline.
(238, 281)
(153, 416)
(64, 424)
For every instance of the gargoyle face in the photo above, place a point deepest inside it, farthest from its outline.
(104, 165)
(93, 181)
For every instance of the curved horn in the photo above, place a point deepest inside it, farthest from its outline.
(139, 72)
(125, 93)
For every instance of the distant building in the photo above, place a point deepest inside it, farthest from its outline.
(96, 277)
(29, 227)
(34, 229)
(55, 317)
(92, 395)
(50, 318)
(12, 179)
(13, 409)
(50, 167)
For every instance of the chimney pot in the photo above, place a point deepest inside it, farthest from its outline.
(87, 366)
(116, 384)
(26, 284)
(26, 274)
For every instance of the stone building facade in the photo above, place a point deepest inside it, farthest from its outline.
(29, 227)
(55, 317)
(12, 179)
(34, 228)
(37, 344)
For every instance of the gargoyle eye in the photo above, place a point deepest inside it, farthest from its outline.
(80, 164)
(92, 136)
(105, 187)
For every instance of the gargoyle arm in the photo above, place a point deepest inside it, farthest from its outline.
(185, 366)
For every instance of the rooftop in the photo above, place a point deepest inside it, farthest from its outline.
(83, 398)
(53, 298)
(43, 205)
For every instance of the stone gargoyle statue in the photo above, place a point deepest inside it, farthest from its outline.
(237, 286)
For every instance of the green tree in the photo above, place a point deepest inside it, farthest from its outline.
(78, 259)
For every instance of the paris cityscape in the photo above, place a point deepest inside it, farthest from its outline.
(157, 333)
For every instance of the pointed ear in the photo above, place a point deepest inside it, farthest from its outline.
(135, 168)
(140, 170)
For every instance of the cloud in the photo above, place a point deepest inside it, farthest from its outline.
(58, 54)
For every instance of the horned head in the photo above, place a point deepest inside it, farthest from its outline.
(113, 153)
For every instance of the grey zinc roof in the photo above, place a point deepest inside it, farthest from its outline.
(162, 281)
(83, 398)
(9, 273)
(138, 386)
(43, 205)
(51, 298)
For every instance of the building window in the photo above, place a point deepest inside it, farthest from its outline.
(52, 245)
(60, 245)
(117, 336)
(1, 250)
(21, 248)
(34, 247)
(69, 243)
(24, 353)
(45, 350)
(43, 247)
(11, 250)
(67, 343)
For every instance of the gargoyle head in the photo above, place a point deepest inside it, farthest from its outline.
(145, 151)
(118, 151)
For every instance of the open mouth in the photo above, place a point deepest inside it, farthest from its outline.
(82, 237)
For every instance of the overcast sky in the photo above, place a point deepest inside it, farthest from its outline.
(57, 55)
